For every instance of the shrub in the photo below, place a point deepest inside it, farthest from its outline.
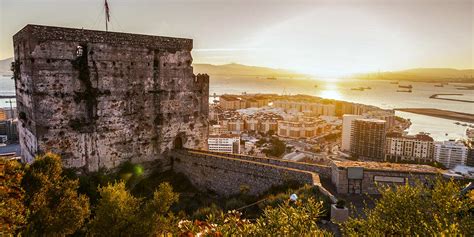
(12, 210)
(417, 211)
(55, 205)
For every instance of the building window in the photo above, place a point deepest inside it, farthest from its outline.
(79, 51)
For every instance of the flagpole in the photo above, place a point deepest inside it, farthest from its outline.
(107, 18)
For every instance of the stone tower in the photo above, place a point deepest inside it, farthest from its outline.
(101, 98)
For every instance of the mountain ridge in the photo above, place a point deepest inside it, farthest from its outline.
(422, 74)
(235, 69)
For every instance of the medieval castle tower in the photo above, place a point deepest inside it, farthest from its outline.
(101, 98)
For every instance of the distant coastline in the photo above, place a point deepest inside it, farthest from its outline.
(429, 75)
(439, 113)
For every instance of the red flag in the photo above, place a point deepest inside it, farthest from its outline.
(107, 13)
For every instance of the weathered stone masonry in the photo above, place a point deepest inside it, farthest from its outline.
(321, 170)
(124, 97)
(225, 175)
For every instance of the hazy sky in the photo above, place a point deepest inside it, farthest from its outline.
(320, 37)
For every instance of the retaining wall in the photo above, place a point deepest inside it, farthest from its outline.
(226, 176)
(322, 170)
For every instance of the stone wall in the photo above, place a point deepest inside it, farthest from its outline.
(322, 170)
(224, 175)
(126, 97)
(369, 185)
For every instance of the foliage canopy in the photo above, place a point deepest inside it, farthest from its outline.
(55, 206)
(417, 210)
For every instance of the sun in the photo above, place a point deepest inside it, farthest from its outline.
(331, 94)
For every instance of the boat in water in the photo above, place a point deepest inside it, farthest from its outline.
(408, 91)
(408, 86)
(271, 78)
(358, 89)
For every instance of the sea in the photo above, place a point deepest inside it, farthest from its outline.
(382, 94)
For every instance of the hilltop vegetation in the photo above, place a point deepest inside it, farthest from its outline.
(57, 203)
(49, 200)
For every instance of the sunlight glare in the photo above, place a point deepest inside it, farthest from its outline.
(331, 94)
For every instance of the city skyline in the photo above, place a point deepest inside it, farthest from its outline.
(370, 36)
(134, 133)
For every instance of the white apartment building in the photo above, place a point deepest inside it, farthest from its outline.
(417, 148)
(307, 107)
(218, 129)
(251, 124)
(234, 125)
(450, 153)
(226, 143)
(346, 130)
(300, 128)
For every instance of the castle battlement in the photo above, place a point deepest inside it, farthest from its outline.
(41, 33)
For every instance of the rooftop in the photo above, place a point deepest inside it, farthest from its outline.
(225, 136)
(40, 32)
(418, 137)
(371, 120)
(411, 168)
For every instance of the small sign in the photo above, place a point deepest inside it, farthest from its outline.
(389, 179)
(355, 172)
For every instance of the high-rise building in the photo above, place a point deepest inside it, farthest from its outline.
(226, 143)
(451, 153)
(368, 139)
(388, 115)
(346, 130)
(417, 148)
(9, 130)
(470, 155)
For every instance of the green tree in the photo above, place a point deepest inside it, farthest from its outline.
(119, 213)
(55, 205)
(12, 210)
(287, 219)
(417, 211)
(276, 149)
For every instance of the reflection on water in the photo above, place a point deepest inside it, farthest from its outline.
(331, 94)
(330, 90)
(440, 129)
